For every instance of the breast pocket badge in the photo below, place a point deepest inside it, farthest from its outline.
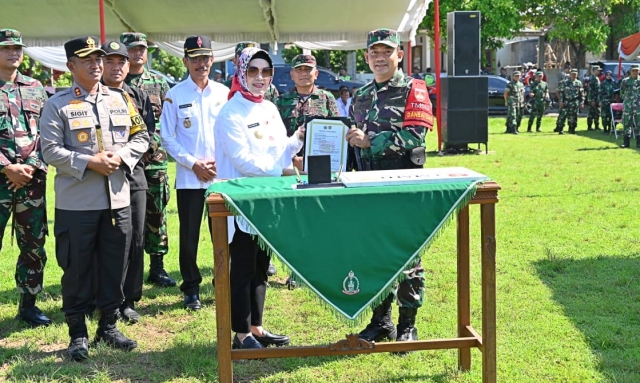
(187, 123)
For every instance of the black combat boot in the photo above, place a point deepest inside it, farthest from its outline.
(589, 124)
(529, 126)
(127, 312)
(381, 325)
(29, 313)
(157, 275)
(406, 324)
(79, 346)
(107, 332)
(637, 142)
(626, 142)
(597, 126)
(538, 126)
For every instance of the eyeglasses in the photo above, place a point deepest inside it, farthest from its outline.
(253, 71)
(202, 59)
(384, 53)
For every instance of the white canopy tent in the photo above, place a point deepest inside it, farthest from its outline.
(328, 24)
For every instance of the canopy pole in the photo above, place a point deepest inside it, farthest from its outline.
(436, 23)
(103, 36)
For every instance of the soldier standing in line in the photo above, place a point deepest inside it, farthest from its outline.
(593, 92)
(23, 174)
(606, 96)
(156, 240)
(540, 93)
(116, 67)
(271, 95)
(570, 100)
(391, 115)
(630, 93)
(93, 135)
(514, 101)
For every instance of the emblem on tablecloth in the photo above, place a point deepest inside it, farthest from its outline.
(351, 284)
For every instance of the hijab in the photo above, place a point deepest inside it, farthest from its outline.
(239, 81)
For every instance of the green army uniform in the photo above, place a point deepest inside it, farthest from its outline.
(156, 239)
(571, 96)
(515, 104)
(630, 93)
(272, 93)
(396, 132)
(606, 96)
(540, 93)
(20, 108)
(593, 94)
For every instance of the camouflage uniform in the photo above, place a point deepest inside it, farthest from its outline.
(20, 107)
(606, 96)
(630, 93)
(540, 93)
(570, 94)
(156, 240)
(393, 115)
(593, 93)
(271, 93)
(515, 104)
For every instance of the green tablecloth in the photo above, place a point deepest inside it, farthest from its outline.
(348, 245)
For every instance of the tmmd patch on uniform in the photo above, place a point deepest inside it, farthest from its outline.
(83, 136)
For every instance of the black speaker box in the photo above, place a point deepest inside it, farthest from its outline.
(465, 109)
(463, 43)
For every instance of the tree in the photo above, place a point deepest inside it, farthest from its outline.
(168, 64)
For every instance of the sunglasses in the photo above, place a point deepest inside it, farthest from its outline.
(253, 71)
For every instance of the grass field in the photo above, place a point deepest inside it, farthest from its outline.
(568, 291)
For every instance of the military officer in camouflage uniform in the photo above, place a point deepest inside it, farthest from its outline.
(630, 93)
(305, 99)
(570, 99)
(23, 174)
(606, 97)
(272, 92)
(391, 115)
(514, 101)
(593, 93)
(540, 94)
(156, 240)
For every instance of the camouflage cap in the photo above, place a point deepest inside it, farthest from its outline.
(539, 73)
(574, 70)
(595, 67)
(383, 36)
(197, 46)
(634, 67)
(307, 60)
(10, 37)
(132, 39)
(608, 72)
(82, 47)
(516, 73)
(112, 47)
(245, 44)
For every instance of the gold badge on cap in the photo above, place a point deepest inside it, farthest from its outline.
(187, 123)
(91, 43)
(258, 134)
(114, 45)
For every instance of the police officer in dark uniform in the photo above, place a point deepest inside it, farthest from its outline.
(93, 136)
(391, 115)
(116, 67)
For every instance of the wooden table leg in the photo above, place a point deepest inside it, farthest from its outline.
(223, 297)
(488, 233)
(464, 306)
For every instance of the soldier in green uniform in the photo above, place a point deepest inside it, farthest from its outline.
(23, 174)
(593, 93)
(570, 99)
(272, 92)
(606, 97)
(305, 99)
(630, 93)
(156, 240)
(391, 115)
(540, 93)
(514, 101)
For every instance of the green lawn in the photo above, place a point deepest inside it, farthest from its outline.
(568, 292)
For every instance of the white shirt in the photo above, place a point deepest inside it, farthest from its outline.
(188, 116)
(343, 109)
(251, 141)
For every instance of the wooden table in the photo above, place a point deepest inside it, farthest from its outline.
(486, 196)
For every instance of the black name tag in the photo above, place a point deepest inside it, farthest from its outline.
(253, 125)
(184, 106)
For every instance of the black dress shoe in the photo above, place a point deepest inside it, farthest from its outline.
(192, 302)
(248, 342)
(268, 339)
